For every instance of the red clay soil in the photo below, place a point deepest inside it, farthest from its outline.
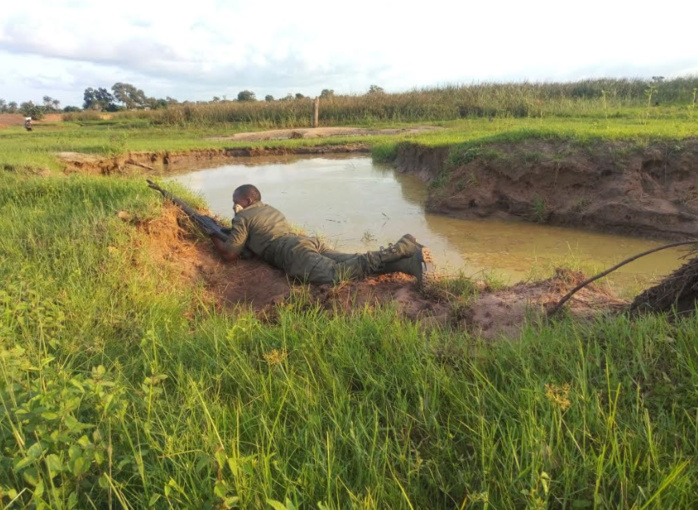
(254, 284)
(17, 119)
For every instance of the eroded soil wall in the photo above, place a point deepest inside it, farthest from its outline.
(191, 159)
(631, 187)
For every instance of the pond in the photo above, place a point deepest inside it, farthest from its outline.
(358, 205)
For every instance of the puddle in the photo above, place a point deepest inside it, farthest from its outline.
(356, 205)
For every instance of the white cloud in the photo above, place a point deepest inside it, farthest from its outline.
(210, 47)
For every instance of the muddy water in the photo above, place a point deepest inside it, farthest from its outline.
(356, 205)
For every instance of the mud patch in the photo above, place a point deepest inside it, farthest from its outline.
(254, 284)
(502, 312)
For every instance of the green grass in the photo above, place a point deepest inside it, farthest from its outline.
(610, 97)
(121, 387)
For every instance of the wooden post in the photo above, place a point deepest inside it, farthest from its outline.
(316, 112)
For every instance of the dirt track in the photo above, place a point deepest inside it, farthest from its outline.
(321, 132)
(255, 284)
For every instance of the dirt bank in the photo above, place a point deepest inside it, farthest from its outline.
(252, 283)
(167, 161)
(647, 189)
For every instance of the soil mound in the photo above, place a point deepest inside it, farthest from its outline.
(502, 312)
(677, 292)
(254, 284)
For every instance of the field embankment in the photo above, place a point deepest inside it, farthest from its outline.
(636, 187)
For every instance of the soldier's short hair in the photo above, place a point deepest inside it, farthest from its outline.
(249, 192)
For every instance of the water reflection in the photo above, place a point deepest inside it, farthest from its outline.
(358, 205)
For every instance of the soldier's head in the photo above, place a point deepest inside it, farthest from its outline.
(246, 195)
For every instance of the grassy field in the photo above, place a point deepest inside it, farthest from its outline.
(611, 97)
(123, 134)
(123, 388)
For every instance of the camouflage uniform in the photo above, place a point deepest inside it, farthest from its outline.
(266, 233)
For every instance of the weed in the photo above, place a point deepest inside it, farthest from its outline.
(384, 153)
(533, 157)
(539, 209)
(368, 237)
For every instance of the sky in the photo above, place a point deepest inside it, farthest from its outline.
(197, 50)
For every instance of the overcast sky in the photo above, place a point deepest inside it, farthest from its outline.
(197, 50)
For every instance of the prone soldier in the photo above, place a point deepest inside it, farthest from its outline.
(265, 232)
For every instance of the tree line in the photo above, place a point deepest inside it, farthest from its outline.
(125, 96)
(34, 110)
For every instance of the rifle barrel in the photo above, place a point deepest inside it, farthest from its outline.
(206, 224)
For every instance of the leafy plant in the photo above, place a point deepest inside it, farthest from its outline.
(539, 209)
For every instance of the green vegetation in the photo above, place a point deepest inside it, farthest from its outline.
(539, 209)
(122, 388)
(125, 133)
(597, 98)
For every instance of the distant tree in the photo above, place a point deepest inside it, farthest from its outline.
(299, 95)
(216, 99)
(246, 95)
(326, 93)
(375, 89)
(288, 97)
(99, 99)
(48, 101)
(29, 109)
(12, 107)
(130, 96)
(56, 104)
(268, 97)
(3, 106)
(69, 109)
(156, 104)
(171, 100)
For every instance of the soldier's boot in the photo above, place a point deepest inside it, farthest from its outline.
(405, 256)
(406, 246)
(414, 265)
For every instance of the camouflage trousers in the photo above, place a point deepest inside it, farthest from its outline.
(309, 259)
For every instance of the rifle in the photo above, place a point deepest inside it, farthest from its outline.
(206, 224)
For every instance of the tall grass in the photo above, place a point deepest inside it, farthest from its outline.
(526, 99)
(122, 387)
